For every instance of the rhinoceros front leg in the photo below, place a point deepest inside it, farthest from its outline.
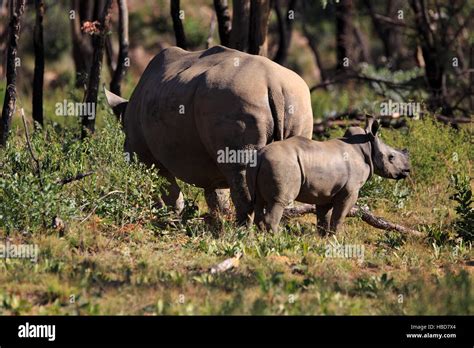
(343, 202)
(217, 200)
(323, 213)
(172, 196)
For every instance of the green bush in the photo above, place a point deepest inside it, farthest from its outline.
(464, 224)
(196, 33)
(120, 191)
(436, 152)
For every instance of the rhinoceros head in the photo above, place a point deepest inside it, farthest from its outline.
(388, 162)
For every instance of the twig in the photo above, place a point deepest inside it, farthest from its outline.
(391, 21)
(30, 148)
(364, 213)
(95, 208)
(75, 178)
(344, 78)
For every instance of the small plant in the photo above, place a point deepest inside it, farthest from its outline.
(391, 239)
(374, 285)
(464, 223)
(437, 234)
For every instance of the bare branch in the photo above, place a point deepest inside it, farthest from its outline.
(356, 211)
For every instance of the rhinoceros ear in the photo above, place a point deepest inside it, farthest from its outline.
(117, 103)
(372, 125)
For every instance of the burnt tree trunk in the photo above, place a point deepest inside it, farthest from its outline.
(258, 26)
(285, 28)
(312, 42)
(389, 34)
(121, 66)
(109, 56)
(223, 21)
(344, 34)
(178, 25)
(239, 36)
(434, 57)
(3, 37)
(9, 103)
(88, 123)
(81, 43)
(39, 64)
(313, 46)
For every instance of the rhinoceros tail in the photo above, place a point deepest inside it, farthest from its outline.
(251, 176)
(277, 108)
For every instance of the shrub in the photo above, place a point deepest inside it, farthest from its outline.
(436, 151)
(464, 223)
(120, 191)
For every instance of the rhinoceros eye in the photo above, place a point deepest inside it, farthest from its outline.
(391, 158)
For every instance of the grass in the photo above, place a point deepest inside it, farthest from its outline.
(120, 254)
(135, 269)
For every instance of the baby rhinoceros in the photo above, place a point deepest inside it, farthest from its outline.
(328, 174)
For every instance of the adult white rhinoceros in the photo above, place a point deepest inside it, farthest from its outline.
(189, 106)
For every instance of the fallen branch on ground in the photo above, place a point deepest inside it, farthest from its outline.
(363, 212)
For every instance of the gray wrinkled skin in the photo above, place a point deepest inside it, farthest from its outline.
(189, 105)
(328, 174)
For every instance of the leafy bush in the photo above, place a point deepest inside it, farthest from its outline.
(436, 151)
(196, 33)
(464, 224)
(121, 191)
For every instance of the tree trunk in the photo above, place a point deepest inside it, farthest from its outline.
(123, 48)
(312, 42)
(3, 38)
(39, 64)
(282, 52)
(239, 35)
(285, 28)
(88, 123)
(9, 103)
(389, 34)
(434, 57)
(223, 20)
(178, 25)
(258, 26)
(81, 44)
(98, 8)
(344, 34)
(313, 46)
(109, 56)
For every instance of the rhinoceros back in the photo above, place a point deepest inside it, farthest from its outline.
(189, 105)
